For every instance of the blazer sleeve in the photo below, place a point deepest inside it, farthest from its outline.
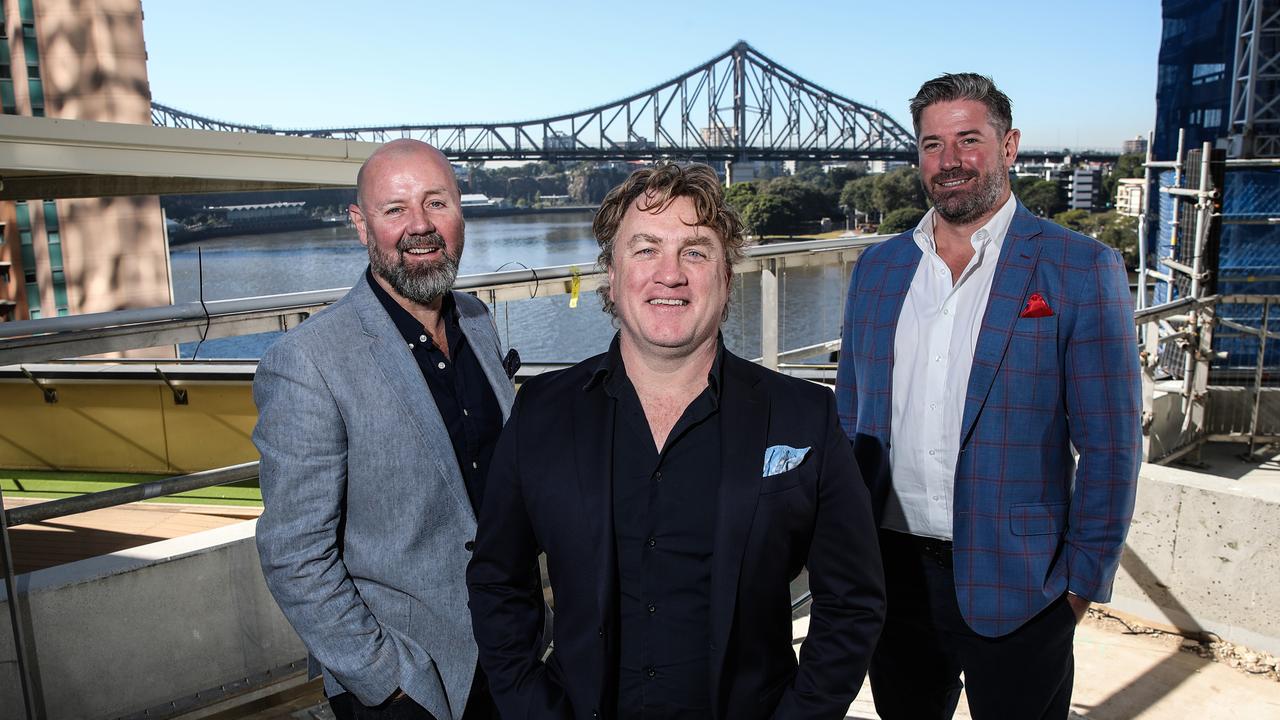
(846, 378)
(846, 578)
(505, 590)
(1103, 399)
(302, 440)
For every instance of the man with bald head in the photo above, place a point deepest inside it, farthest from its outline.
(376, 421)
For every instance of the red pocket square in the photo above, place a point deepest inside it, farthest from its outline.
(1036, 307)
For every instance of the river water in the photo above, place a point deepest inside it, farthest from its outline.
(543, 329)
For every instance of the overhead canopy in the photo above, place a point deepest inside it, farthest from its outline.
(46, 158)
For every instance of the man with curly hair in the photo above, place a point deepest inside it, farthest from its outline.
(677, 490)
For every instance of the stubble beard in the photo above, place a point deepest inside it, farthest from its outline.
(970, 204)
(425, 282)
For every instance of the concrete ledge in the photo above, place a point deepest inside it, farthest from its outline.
(122, 633)
(1203, 554)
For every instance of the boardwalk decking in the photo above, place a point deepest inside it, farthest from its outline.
(75, 537)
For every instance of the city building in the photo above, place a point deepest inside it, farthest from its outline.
(1084, 189)
(1129, 196)
(1135, 146)
(84, 60)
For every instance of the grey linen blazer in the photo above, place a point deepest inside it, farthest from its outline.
(366, 531)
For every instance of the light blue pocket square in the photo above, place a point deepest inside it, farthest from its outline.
(781, 458)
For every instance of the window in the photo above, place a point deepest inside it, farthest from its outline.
(1212, 117)
(1202, 73)
(28, 258)
(54, 237)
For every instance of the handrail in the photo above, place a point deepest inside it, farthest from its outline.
(130, 493)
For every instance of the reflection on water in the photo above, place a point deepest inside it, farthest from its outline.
(544, 329)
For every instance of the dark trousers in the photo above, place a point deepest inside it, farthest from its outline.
(926, 644)
(479, 706)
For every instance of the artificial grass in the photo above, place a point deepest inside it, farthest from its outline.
(54, 484)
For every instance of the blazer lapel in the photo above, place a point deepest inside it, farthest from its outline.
(387, 353)
(592, 427)
(479, 332)
(899, 270)
(744, 430)
(1008, 288)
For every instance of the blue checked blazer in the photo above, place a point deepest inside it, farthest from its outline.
(1030, 522)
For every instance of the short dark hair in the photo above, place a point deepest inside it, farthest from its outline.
(965, 86)
(659, 186)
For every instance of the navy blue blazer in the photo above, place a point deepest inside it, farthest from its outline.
(549, 487)
(1029, 522)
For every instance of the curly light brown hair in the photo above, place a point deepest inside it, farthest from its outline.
(653, 190)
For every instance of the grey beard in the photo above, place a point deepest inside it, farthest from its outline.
(423, 286)
(964, 208)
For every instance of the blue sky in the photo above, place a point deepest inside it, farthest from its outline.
(1081, 74)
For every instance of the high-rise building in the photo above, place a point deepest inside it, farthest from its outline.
(1135, 146)
(85, 60)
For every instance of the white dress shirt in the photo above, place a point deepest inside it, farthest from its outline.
(932, 356)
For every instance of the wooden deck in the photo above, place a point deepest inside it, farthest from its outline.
(98, 532)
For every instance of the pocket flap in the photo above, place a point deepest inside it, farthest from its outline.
(1038, 518)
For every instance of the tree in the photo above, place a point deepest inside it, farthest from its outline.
(1077, 220)
(899, 188)
(857, 194)
(1042, 197)
(739, 195)
(770, 215)
(901, 219)
(809, 201)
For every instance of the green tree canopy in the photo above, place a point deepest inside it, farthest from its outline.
(1042, 197)
(857, 194)
(770, 215)
(739, 195)
(901, 219)
(808, 198)
(898, 188)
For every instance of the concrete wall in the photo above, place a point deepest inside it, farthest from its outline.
(122, 633)
(1204, 555)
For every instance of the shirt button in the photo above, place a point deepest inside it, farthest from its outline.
(657, 476)
(474, 466)
(422, 338)
(440, 365)
(469, 545)
(651, 672)
(933, 406)
(946, 311)
(600, 631)
(652, 608)
(935, 498)
(653, 542)
(410, 346)
(930, 452)
(936, 359)
(464, 411)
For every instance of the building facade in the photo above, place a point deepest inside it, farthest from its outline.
(83, 60)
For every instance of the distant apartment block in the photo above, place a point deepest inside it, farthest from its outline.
(1085, 190)
(1129, 196)
(1137, 145)
(85, 60)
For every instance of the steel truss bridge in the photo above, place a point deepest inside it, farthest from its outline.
(739, 105)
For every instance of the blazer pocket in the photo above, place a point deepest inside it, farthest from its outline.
(782, 481)
(1038, 518)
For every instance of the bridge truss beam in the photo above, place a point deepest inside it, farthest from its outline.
(739, 105)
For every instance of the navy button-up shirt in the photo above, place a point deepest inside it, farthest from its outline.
(461, 391)
(664, 515)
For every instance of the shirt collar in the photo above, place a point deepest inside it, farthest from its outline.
(410, 329)
(610, 369)
(994, 231)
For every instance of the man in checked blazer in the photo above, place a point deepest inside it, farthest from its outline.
(982, 351)
(376, 421)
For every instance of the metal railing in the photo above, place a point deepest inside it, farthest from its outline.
(55, 338)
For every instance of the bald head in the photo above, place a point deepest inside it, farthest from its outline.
(398, 153)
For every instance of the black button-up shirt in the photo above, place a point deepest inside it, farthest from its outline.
(461, 391)
(664, 516)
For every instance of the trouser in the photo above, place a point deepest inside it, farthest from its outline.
(926, 645)
(479, 706)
